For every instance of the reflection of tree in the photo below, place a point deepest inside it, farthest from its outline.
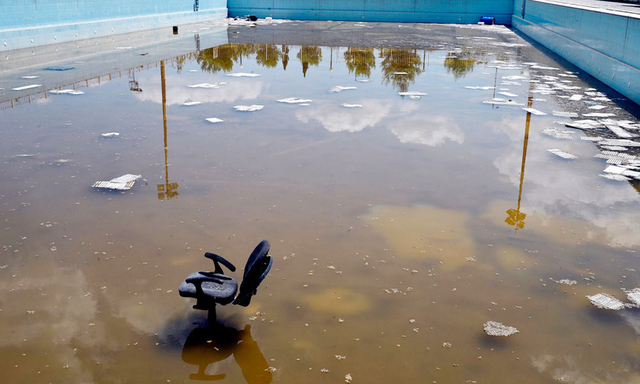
(285, 56)
(360, 61)
(399, 67)
(267, 55)
(222, 58)
(181, 60)
(309, 55)
(459, 64)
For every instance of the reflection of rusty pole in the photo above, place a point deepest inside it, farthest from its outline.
(516, 218)
(167, 189)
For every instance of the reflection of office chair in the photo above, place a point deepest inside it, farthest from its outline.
(205, 346)
(211, 288)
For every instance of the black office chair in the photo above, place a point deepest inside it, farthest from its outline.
(211, 288)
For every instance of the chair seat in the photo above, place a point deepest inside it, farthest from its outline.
(220, 293)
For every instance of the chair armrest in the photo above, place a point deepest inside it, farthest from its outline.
(218, 258)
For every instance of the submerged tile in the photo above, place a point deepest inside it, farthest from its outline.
(122, 183)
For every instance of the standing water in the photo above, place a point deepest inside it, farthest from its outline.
(416, 183)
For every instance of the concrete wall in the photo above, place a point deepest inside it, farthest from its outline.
(604, 44)
(31, 23)
(412, 11)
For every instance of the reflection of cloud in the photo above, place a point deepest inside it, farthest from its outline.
(335, 118)
(432, 131)
(49, 309)
(178, 92)
(566, 369)
(557, 187)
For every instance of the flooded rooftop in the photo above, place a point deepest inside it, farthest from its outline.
(426, 189)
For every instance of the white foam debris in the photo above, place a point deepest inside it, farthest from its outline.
(620, 142)
(364, 80)
(598, 114)
(576, 97)
(122, 183)
(214, 120)
(617, 170)
(564, 114)
(633, 295)
(347, 105)
(248, 108)
(26, 87)
(515, 77)
(485, 88)
(110, 134)
(534, 111)
(400, 73)
(562, 154)
(207, 85)
(294, 100)
(124, 48)
(65, 92)
(619, 131)
(598, 107)
(30, 77)
(556, 133)
(606, 301)
(583, 124)
(340, 88)
(243, 74)
(565, 282)
(498, 101)
(547, 68)
(508, 94)
(615, 148)
(591, 138)
(191, 103)
(494, 328)
(614, 177)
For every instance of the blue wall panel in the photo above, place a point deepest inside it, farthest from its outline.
(30, 23)
(602, 44)
(437, 11)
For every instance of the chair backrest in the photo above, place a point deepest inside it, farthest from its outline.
(257, 268)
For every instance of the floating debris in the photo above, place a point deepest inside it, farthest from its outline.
(340, 88)
(556, 133)
(565, 282)
(30, 77)
(583, 124)
(214, 120)
(498, 101)
(243, 74)
(619, 131)
(191, 103)
(248, 108)
(348, 378)
(294, 100)
(412, 93)
(616, 170)
(26, 87)
(564, 114)
(598, 114)
(508, 94)
(485, 88)
(562, 154)
(65, 92)
(110, 134)
(494, 328)
(606, 301)
(633, 295)
(207, 85)
(122, 183)
(59, 68)
(598, 107)
(347, 105)
(534, 111)
(576, 97)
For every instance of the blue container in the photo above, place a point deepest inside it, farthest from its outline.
(488, 20)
